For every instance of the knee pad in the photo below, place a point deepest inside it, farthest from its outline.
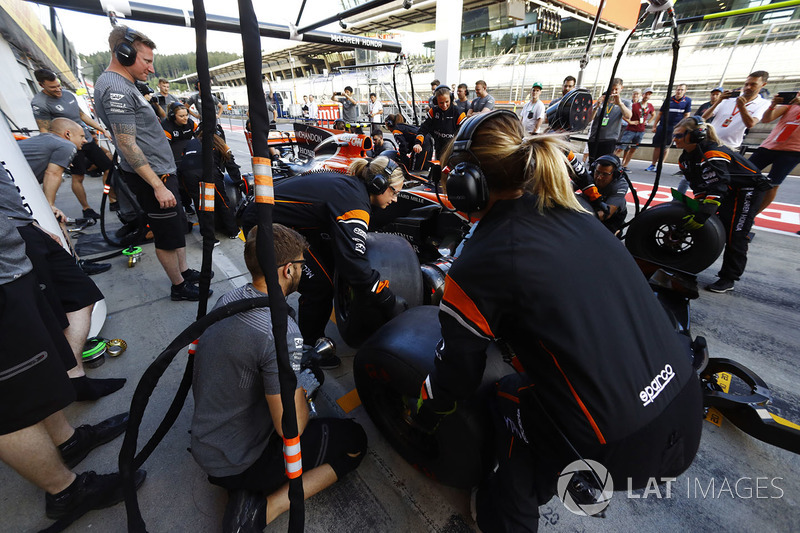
(353, 441)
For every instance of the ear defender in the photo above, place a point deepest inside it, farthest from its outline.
(125, 52)
(467, 188)
(699, 134)
(378, 183)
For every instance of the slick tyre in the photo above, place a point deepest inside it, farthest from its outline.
(389, 370)
(655, 235)
(396, 261)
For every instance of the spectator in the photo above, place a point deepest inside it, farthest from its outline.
(54, 102)
(567, 86)
(349, 106)
(641, 114)
(237, 432)
(145, 156)
(35, 438)
(462, 103)
(725, 183)
(278, 100)
(733, 115)
(680, 106)
(304, 109)
(716, 92)
(313, 109)
(195, 101)
(604, 140)
(483, 102)
(163, 98)
(50, 154)
(68, 290)
(533, 111)
(441, 124)
(781, 148)
(375, 112)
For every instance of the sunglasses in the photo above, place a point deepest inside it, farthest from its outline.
(299, 262)
(678, 135)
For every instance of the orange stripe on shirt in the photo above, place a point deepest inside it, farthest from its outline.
(746, 167)
(292, 202)
(455, 296)
(586, 413)
(716, 153)
(359, 214)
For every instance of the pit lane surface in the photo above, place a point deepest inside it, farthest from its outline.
(755, 486)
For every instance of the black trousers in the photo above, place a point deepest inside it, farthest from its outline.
(531, 453)
(316, 287)
(737, 214)
(224, 217)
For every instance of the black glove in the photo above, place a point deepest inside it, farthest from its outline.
(400, 305)
(696, 220)
(596, 199)
(243, 186)
(384, 298)
(764, 184)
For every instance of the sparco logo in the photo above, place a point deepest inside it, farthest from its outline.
(651, 391)
(578, 487)
(308, 136)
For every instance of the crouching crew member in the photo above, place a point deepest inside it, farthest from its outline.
(332, 211)
(725, 183)
(237, 435)
(534, 278)
(607, 194)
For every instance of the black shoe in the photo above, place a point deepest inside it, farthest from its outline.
(330, 362)
(186, 291)
(191, 275)
(91, 213)
(86, 438)
(127, 229)
(216, 243)
(189, 210)
(89, 491)
(90, 269)
(721, 285)
(113, 206)
(246, 512)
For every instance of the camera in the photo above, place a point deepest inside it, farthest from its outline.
(787, 96)
(530, 115)
(144, 88)
(735, 94)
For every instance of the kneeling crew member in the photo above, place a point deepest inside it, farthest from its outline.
(332, 211)
(528, 279)
(727, 184)
(607, 194)
(237, 435)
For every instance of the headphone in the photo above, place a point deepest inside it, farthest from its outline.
(173, 108)
(125, 52)
(608, 159)
(378, 183)
(449, 93)
(700, 133)
(467, 188)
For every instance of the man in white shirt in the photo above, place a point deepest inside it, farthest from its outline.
(733, 115)
(375, 112)
(533, 111)
(313, 110)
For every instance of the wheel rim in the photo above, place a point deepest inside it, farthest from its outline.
(673, 239)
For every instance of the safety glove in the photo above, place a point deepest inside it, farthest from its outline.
(764, 184)
(308, 382)
(595, 198)
(708, 207)
(389, 304)
(422, 417)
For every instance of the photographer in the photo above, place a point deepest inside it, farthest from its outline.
(349, 106)
(568, 306)
(533, 111)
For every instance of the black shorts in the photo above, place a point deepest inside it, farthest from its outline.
(658, 138)
(90, 152)
(324, 440)
(34, 357)
(64, 284)
(168, 225)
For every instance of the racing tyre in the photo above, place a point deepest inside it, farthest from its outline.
(655, 235)
(396, 261)
(389, 370)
